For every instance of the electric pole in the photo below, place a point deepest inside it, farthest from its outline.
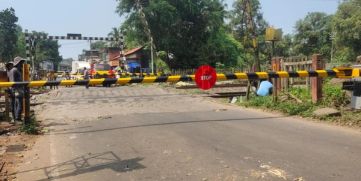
(147, 31)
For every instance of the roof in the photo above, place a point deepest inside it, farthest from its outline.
(130, 52)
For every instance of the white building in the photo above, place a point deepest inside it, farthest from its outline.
(78, 66)
(46, 65)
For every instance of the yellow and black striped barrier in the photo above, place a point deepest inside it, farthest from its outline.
(347, 73)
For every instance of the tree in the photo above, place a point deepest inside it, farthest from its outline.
(347, 27)
(284, 48)
(248, 26)
(46, 50)
(313, 34)
(98, 45)
(20, 45)
(8, 34)
(115, 33)
(184, 29)
(225, 48)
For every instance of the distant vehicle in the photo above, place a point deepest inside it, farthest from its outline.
(60, 74)
(102, 71)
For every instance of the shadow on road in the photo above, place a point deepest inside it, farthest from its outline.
(88, 163)
(163, 124)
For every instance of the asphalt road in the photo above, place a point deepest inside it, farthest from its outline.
(148, 133)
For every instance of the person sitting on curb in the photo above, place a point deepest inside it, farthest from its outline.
(265, 88)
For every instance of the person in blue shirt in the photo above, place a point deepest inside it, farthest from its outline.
(265, 88)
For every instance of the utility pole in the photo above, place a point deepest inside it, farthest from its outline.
(148, 32)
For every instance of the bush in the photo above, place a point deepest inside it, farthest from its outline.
(259, 102)
(31, 127)
(303, 94)
(333, 95)
(289, 107)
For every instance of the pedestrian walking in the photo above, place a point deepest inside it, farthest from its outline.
(48, 78)
(17, 93)
(53, 78)
(9, 91)
(67, 77)
(86, 76)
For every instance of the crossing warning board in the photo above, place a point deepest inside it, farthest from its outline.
(205, 77)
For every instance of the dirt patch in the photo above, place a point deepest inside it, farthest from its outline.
(12, 148)
(13, 145)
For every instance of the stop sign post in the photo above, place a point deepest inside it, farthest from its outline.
(205, 77)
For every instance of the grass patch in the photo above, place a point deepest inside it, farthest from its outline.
(31, 128)
(288, 107)
(333, 96)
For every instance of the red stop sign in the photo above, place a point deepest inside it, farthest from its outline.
(206, 77)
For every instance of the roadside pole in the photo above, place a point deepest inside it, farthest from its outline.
(7, 106)
(26, 102)
(316, 82)
(276, 66)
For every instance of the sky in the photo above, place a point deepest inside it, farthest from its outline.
(97, 17)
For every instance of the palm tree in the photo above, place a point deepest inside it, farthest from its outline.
(115, 33)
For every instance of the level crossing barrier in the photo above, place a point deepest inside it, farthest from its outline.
(343, 73)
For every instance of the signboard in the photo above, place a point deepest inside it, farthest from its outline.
(74, 36)
(273, 34)
(205, 77)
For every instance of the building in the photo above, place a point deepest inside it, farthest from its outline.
(78, 66)
(112, 56)
(65, 65)
(46, 65)
(91, 56)
(137, 59)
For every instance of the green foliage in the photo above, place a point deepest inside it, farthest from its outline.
(333, 95)
(98, 45)
(284, 48)
(31, 127)
(303, 94)
(115, 33)
(160, 64)
(20, 45)
(257, 101)
(345, 55)
(313, 34)
(226, 50)
(46, 50)
(347, 26)
(246, 34)
(288, 107)
(190, 30)
(295, 109)
(8, 34)
(195, 32)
